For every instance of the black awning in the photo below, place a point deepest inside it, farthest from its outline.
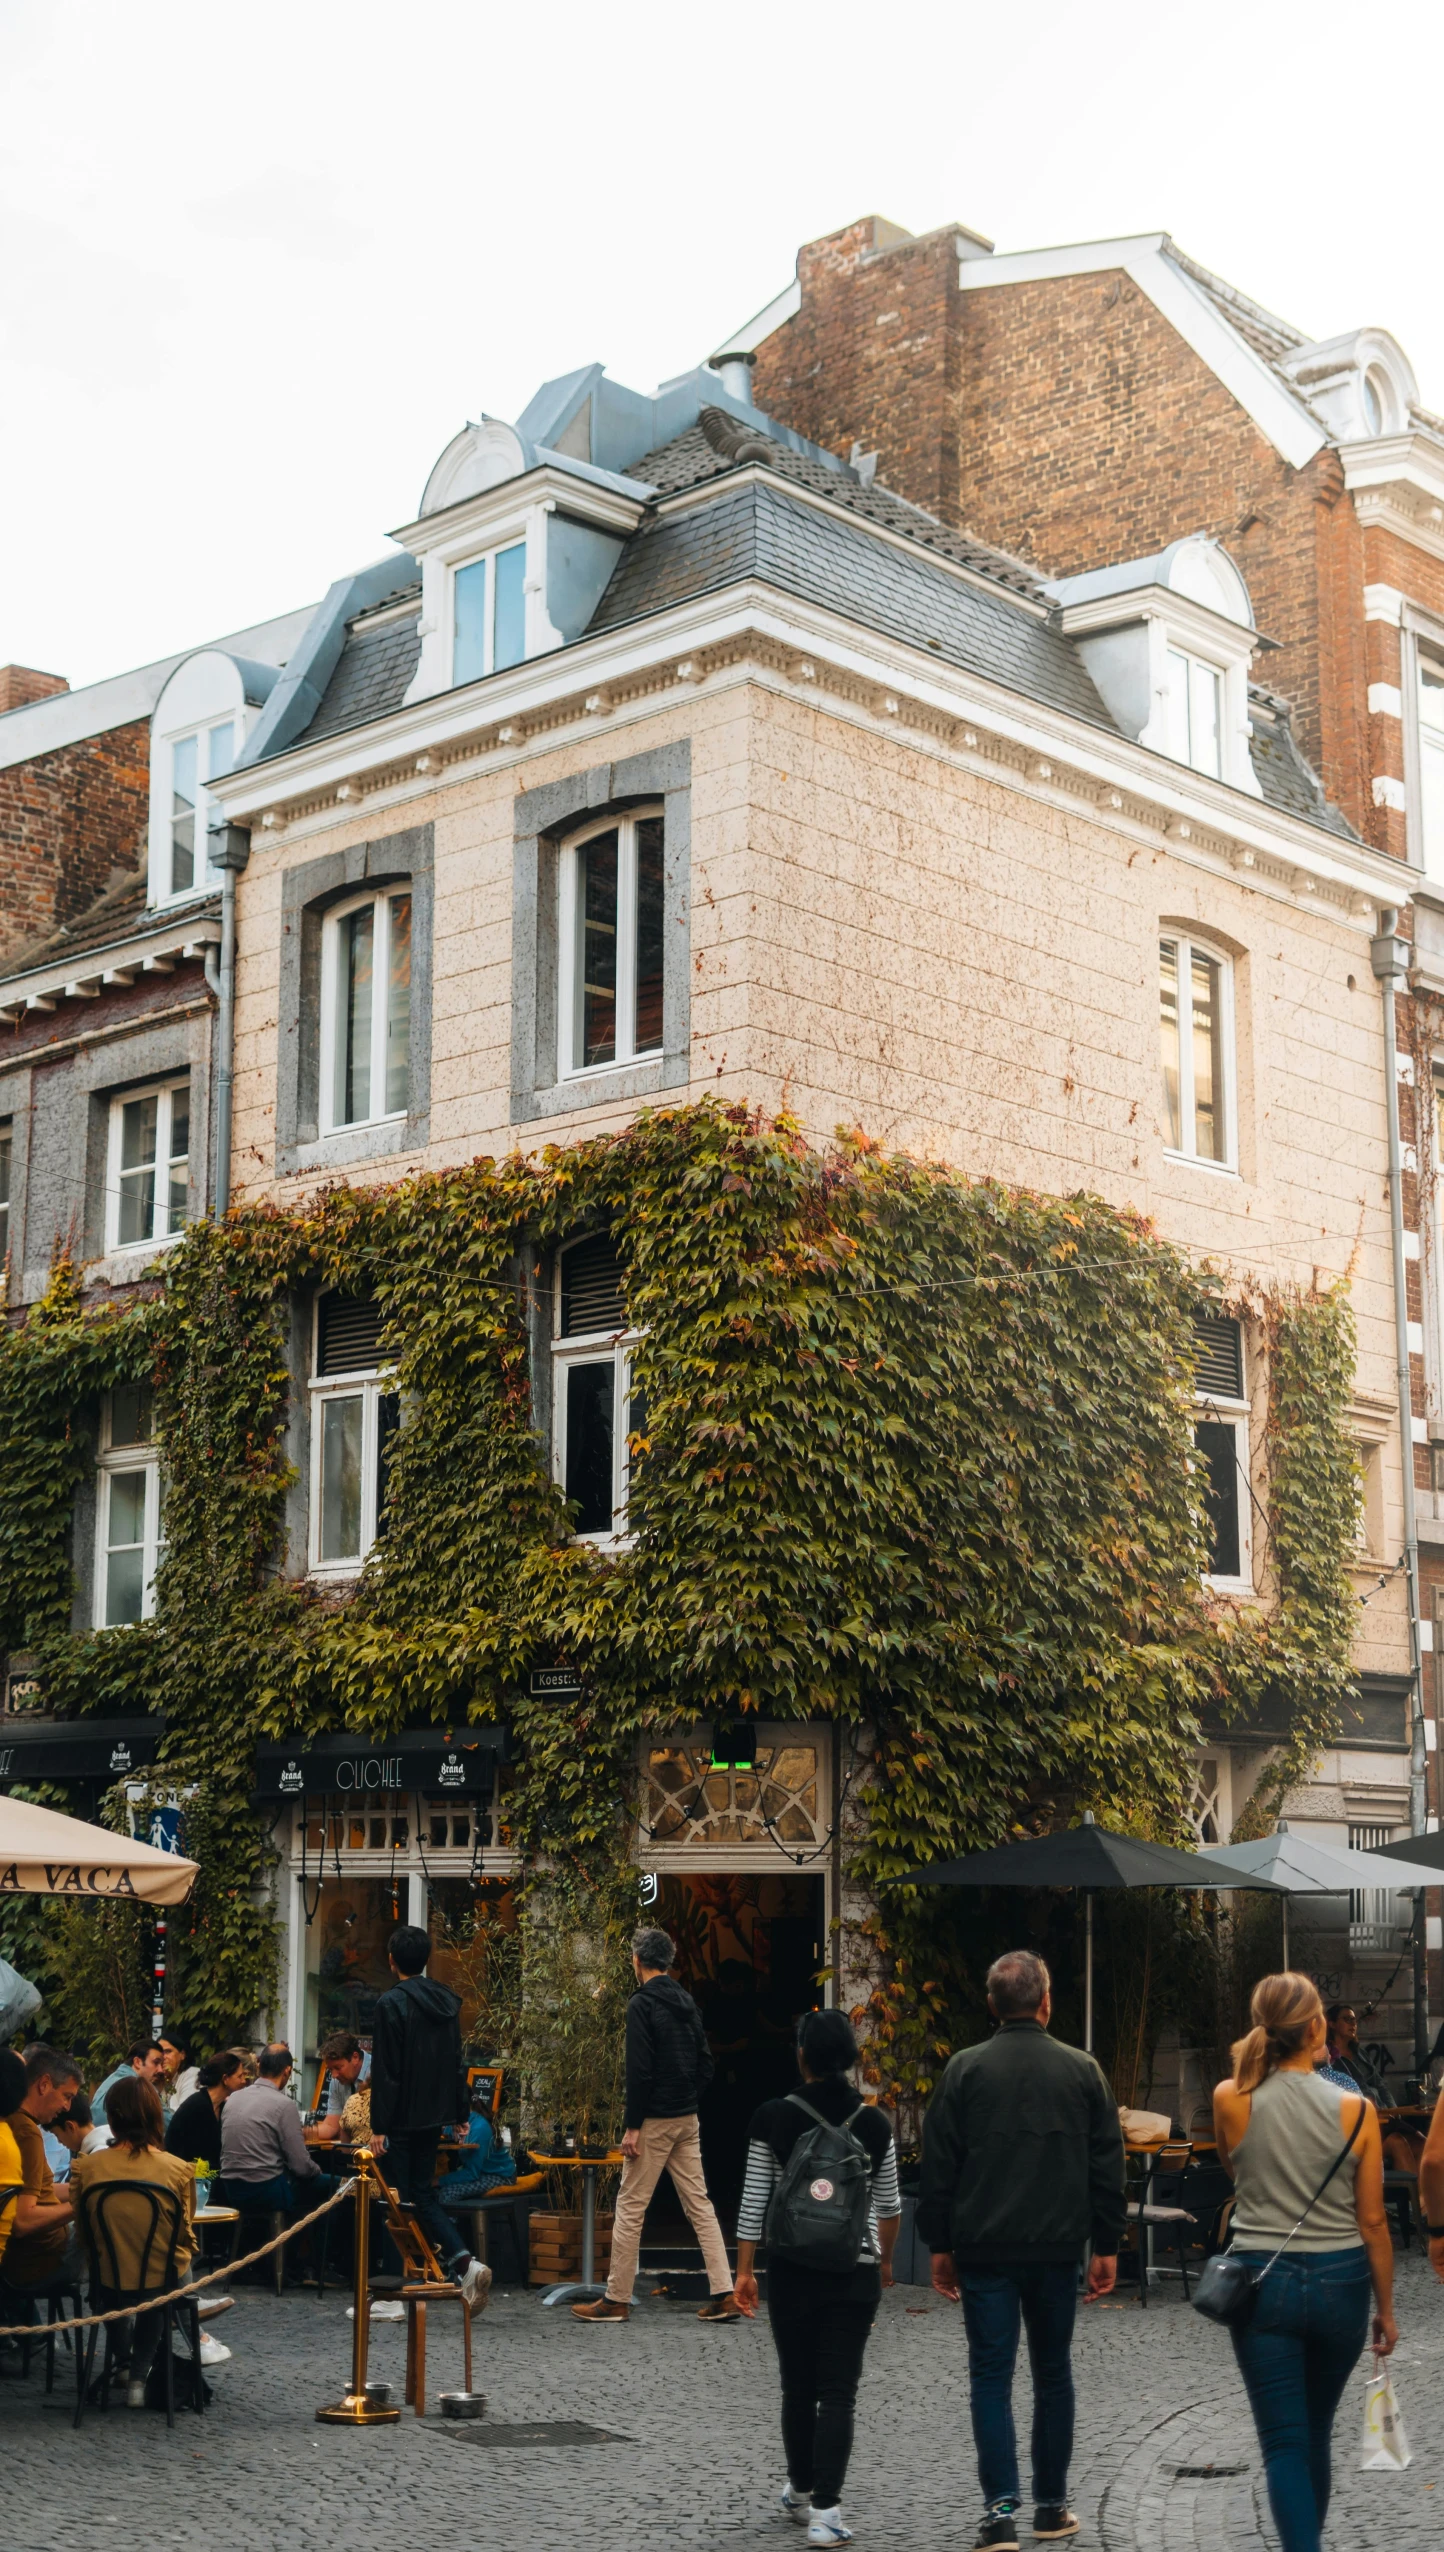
(77, 1749)
(463, 1760)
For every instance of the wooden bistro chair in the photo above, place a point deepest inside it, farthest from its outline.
(160, 2242)
(424, 2282)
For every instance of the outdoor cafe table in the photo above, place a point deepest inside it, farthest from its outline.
(589, 2164)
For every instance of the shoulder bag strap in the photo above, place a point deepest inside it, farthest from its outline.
(818, 2120)
(1340, 2157)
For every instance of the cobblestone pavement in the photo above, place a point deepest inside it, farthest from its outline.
(695, 2459)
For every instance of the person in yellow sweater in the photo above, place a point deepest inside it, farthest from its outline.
(133, 2113)
(12, 2170)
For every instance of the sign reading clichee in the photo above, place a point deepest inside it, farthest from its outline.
(462, 1761)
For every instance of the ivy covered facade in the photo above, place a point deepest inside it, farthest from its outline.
(803, 1281)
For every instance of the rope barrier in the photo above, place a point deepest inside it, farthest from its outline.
(180, 2294)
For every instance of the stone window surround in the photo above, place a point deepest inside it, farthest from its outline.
(46, 1185)
(543, 818)
(308, 891)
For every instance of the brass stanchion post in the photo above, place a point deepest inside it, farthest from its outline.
(354, 2410)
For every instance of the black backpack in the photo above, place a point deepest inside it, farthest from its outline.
(817, 2213)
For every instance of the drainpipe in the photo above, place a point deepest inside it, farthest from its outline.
(229, 847)
(1390, 956)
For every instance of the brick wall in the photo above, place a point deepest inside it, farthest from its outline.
(1069, 422)
(69, 822)
(20, 684)
(872, 357)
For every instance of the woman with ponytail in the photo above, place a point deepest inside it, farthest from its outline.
(1281, 2132)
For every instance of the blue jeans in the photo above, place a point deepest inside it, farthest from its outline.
(1308, 2329)
(1043, 2295)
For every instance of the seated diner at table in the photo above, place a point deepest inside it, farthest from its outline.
(137, 2153)
(264, 2155)
(194, 2133)
(344, 2058)
(43, 2243)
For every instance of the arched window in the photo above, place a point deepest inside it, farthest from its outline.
(1195, 1014)
(611, 941)
(366, 1010)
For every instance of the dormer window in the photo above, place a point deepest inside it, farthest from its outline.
(1168, 641)
(194, 759)
(1195, 713)
(366, 1011)
(488, 613)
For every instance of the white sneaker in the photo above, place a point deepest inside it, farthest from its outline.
(213, 2351)
(475, 2284)
(384, 2308)
(796, 2504)
(827, 2527)
(135, 2396)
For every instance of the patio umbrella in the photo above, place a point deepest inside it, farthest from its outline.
(1426, 1851)
(1296, 1863)
(44, 1854)
(1086, 1856)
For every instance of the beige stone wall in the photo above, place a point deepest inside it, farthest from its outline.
(882, 938)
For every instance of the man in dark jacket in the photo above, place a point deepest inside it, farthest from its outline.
(419, 2087)
(1022, 2169)
(669, 2065)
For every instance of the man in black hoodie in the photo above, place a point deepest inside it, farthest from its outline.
(669, 2065)
(419, 2087)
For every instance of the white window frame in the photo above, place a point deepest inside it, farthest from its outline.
(574, 1068)
(380, 899)
(203, 876)
(111, 1462)
(7, 1201)
(599, 1347)
(162, 1091)
(1185, 943)
(1193, 664)
(1427, 758)
(370, 1387)
(486, 558)
(1217, 1410)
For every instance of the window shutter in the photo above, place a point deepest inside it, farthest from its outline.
(1218, 1358)
(348, 1334)
(592, 1296)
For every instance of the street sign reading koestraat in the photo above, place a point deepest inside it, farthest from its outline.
(461, 1761)
(554, 1683)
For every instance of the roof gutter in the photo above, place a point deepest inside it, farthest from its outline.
(230, 848)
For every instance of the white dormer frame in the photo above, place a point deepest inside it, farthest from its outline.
(1174, 621)
(514, 510)
(208, 692)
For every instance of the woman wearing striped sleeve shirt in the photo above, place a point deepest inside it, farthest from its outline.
(820, 2317)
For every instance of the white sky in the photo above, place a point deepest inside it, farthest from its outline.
(260, 263)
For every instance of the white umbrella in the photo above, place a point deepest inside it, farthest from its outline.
(43, 1854)
(1302, 1867)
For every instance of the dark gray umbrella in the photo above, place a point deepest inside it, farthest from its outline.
(1085, 1856)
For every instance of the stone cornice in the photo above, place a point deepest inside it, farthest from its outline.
(604, 685)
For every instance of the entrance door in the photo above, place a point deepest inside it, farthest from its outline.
(749, 1947)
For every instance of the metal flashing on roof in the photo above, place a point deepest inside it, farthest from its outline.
(75, 975)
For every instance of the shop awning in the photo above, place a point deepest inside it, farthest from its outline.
(434, 1759)
(77, 1749)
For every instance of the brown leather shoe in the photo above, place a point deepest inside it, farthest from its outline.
(604, 2310)
(721, 2308)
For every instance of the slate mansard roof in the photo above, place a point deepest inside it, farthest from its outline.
(862, 552)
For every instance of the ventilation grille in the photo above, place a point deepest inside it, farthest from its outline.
(592, 1297)
(348, 1334)
(1218, 1352)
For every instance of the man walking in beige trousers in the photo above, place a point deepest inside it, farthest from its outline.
(669, 2065)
